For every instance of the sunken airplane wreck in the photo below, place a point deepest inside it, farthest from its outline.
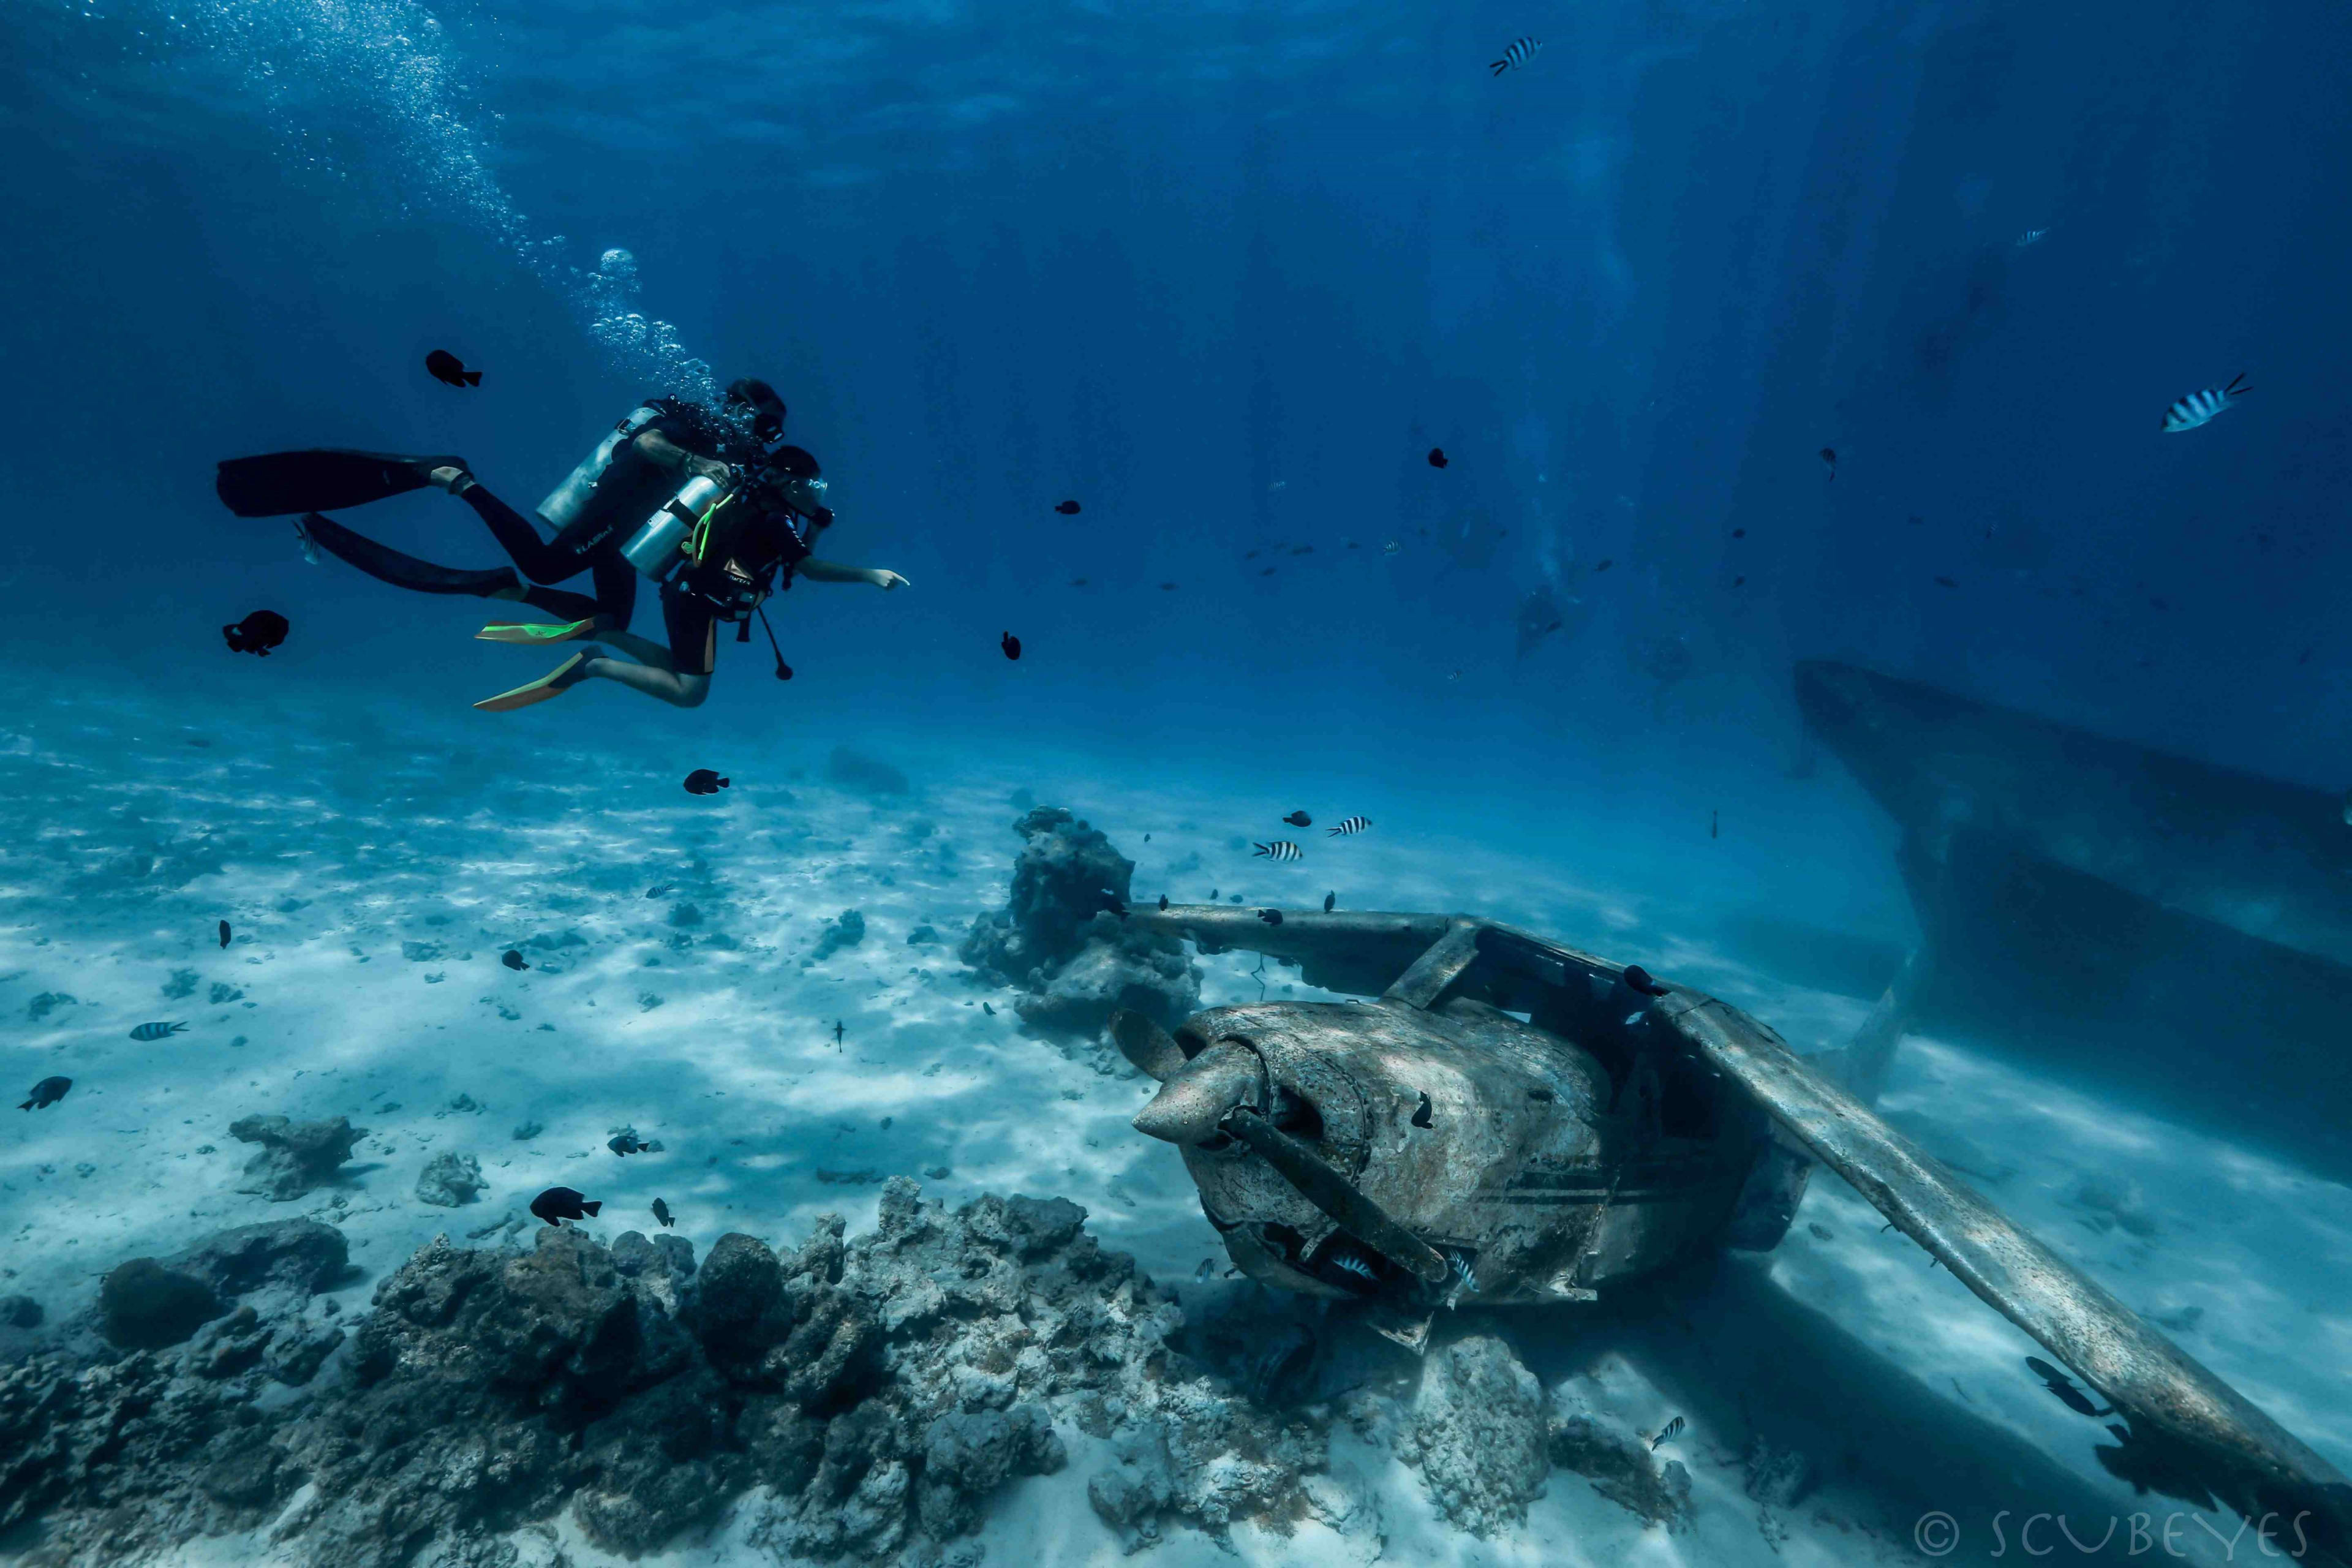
(1432, 1148)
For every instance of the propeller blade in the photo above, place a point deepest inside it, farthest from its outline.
(1146, 1045)
(1339, 1199)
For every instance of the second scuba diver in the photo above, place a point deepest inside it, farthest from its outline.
(717, 514)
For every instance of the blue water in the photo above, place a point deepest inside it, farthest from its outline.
(1222, 273)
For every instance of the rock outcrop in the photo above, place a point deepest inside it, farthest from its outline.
(1476, 1430)
(1620, 1465)
(880, 1390)
(295, 1156)
(844, 930)
(450, 1180)
(292, 1258)
(1061, 940)
(142, 1305)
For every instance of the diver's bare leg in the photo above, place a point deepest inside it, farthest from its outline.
(679, 690)
(642, 651)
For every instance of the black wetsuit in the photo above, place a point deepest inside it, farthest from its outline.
(632, 485)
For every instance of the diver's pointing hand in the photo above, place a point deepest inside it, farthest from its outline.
(885, 579)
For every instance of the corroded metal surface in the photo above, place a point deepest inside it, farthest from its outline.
(1608, 1133)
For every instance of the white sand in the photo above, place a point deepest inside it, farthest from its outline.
(337, 843)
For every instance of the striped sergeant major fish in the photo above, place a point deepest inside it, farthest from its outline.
(1280, 849)
(156, 1031)
(2199, 406)
(1352, 825)
(2031, 237)
(1520, 52)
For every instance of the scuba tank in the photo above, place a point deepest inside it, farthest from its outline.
(658, 547)
(564, 503)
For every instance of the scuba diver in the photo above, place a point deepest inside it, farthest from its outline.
(716, 512)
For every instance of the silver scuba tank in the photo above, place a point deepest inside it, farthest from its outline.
(657, 549)
(563, 504)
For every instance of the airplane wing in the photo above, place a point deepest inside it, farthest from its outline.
(2191, 1435)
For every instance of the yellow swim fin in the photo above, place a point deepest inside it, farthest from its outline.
(536, 631)
(555, 683)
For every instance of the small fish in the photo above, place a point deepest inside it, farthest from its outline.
(1391, 548)
(2031, 237)
(257, 634)
(1420, 1113)
(626, 1143)
(1739, 533)
(1714, 825)
(157, 1031)
(1299, 819)
(1163, 897)
(1602, 565)
(1011, 645)
(1638, 979)
(1167, 587)
(1078, 582)
(661, 1212)
(47, 1093)
(559, 1204)
(1328, 900)
(836, 1034)
(1302, 550)
(1946, 583)
(1280, 849)
(1207, 1270)
(1349, 826)
(1271, 917)
(702, 780)
(2057, 1383)
(1267, 572)
(1213, 895)
(304, 543)
(1667, 1434)
(2199, 406)
(1739, 582)
(1437, 457)
(987, 1009)
(1819, 1232)
(661, 891)
(224, 934)
(513, 960)
(1829, 457)
(446, 368)
(1518, 52)
(1068, 509)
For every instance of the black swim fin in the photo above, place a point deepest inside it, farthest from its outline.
(277, 484)
(386, 564)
